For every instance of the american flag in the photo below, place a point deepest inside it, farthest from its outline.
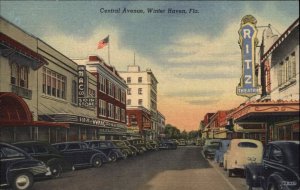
(103, 42)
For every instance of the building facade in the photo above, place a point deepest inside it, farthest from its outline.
(142, 91)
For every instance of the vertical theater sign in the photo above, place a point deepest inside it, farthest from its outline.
(247, 40)
(83, 100)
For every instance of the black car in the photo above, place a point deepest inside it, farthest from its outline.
(19, 169)
(45, 152)
(210, 150)
(107, 147)
(124, 148)
(167, 144)
(279, 168)
(80, 155)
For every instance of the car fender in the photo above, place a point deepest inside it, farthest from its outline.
(276, 178)
(101, 155)
(253, 175)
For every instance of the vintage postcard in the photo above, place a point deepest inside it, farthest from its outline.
(149, 95)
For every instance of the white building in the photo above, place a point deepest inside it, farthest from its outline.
(142, 91)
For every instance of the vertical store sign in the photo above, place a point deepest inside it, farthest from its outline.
(83, 100)
(81, 81)
(248, 43)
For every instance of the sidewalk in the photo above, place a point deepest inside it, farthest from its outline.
(237, 182)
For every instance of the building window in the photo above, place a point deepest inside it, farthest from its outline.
(117, 114)
(140, 102)
(102, 108)
(123, 115)
(118, 93)
(110, 89)
(140, 79)
(54, 84)
(19, 75)
(140, 91)
(74, 92)
(123, 96)
(286, 69)
(110, 110)
(102, 82)
(91, 92)
(129, 91)
(128, 79)
(129, 102)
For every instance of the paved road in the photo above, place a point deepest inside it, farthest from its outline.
(181, 169)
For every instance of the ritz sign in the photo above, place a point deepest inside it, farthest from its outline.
(248, 42)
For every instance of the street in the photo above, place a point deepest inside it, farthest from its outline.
(184, 168)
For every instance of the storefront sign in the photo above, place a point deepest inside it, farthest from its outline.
(87, 102)
(98, 122)
(248, 42)
(81, 81)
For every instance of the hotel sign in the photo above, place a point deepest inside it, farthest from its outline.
(248, 42)
(84, 101)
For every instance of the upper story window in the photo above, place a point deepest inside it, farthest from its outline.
(140, 102)
(110, 89)
(74, 92)
(102, 108)
(129, 91)
(129, 102)
(123, 96)
(118, 93)
(117, 113)
(102, 82)
(140, 91)
(110, 110)
(123, 115)
(286, 69)
(19, 75)
(54, 84)
(140, 79)
(128, 79)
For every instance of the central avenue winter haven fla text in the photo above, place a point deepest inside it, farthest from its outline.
(147, 11)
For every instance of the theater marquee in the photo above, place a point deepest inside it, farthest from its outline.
(248, 86)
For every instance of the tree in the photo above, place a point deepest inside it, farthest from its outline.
(171, 131)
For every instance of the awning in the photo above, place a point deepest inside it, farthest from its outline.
(20, 53)
(15, 112)
(271, 111)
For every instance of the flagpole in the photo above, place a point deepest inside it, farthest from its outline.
(108, 51)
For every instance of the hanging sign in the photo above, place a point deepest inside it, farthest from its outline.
(248, 86)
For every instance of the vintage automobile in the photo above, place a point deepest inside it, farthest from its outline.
(182, 142)
(80, 155)
(123, 147)
(167, 144)
(154, 144)
(139, 144)
(134, 149)
(241, 152)
(219, 154)
(45, 152)
(107, 147)
(279, 168)
(19, 169)
(210, 147)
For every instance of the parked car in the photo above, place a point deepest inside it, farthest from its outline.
(124, 148)
(107, 147)
(182, 142)
(80, 155)
(19, 169)
(219, 154)
(242, 152)
(154, 144)
(134, 149)
(175, 141)
(279, 168)
(45, 152)
(167, 144)
(210, 147)
(138, 144)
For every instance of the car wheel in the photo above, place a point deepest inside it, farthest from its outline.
(22, 181)
(272, 186)
(230, 172)
(125, 155)
(97, 162)
(56, 170)
(113, 157)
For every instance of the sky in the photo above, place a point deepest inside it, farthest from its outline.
(194, 56)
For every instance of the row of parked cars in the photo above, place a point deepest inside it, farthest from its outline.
(23, 162)
(273, 167)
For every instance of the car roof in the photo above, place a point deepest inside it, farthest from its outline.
(236, 141)
(30, 142)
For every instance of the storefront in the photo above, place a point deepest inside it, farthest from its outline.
(16, 122)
